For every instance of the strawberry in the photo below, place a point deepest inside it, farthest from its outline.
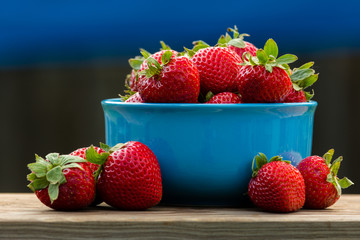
(218, 69)
(81, 152)
(166, 77)
(135, 98)
(323, 187)
(94, 166)
(62, 182)
(276, 185)
(130, 178)
(224, 97)
(237, 43)
(302, 78)
(263, 78)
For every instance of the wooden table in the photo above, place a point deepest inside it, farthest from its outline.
(22, 216)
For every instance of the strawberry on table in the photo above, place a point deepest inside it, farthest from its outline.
(62, 182)
(264, 78)
(218, 67)
(302, 78)
(237, 43)
(130, 178)
(222, 98)
(167, 78)
(276, 185)
(323, 187)
(81, 152)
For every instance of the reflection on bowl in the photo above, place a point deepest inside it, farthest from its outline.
(205, 151)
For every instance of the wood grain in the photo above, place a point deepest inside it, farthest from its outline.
(22, 216)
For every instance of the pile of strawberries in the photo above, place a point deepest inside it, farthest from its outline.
(232, 71)
(126, 176)
(277, 186)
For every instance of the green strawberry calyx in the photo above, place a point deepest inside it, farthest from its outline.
(154, 67)
(303, 77)
(49, 172)
(334, 168)
(199, 44)
(260, 160)
(93, 156)
(237, 40)
(268, 57)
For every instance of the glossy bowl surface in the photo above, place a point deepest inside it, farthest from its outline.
(205, 151)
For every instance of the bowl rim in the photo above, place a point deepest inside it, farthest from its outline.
(118, 102)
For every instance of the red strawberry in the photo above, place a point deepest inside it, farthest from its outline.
(62, 182)
(218, 69)
(276, 186)
(222, 98)
(295, 96)
(131, 177)
(237, 43)
(165, 77)
(323, 187)
(302, 78)
(135, 98)
(81, 152)
(263, 78)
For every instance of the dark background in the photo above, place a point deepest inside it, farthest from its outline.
(59, 59)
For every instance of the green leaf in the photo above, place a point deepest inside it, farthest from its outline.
(271, 48)
(38, 168)
(237, 42)
(286, 59)
(222, 40)
(66, 159)
(145, 53)
(328, 156)
(166, 57)
(39, 159)
(208, 96)
(307, 65)
(53, 191)
(345, 182)
(72, 165)
(307, 82)
(189, 52)
(268, 68)
(135, 63)
(261, 55)
(227, 37)
(54, 175)
(260, 161)
(117, 147)
(164, 46)
(301, 74)
(31, 176)
(296, 87)
(336, 165)
(309, 95)
(235, 31)
(39, 183)
(153, 61)
(276, 158)
(94, 157)
(53, 158)
(104, 147)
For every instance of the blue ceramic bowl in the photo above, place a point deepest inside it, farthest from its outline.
(205, 151)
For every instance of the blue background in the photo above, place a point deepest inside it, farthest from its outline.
(35, 32)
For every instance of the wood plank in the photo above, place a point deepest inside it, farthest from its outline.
(22, 216)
